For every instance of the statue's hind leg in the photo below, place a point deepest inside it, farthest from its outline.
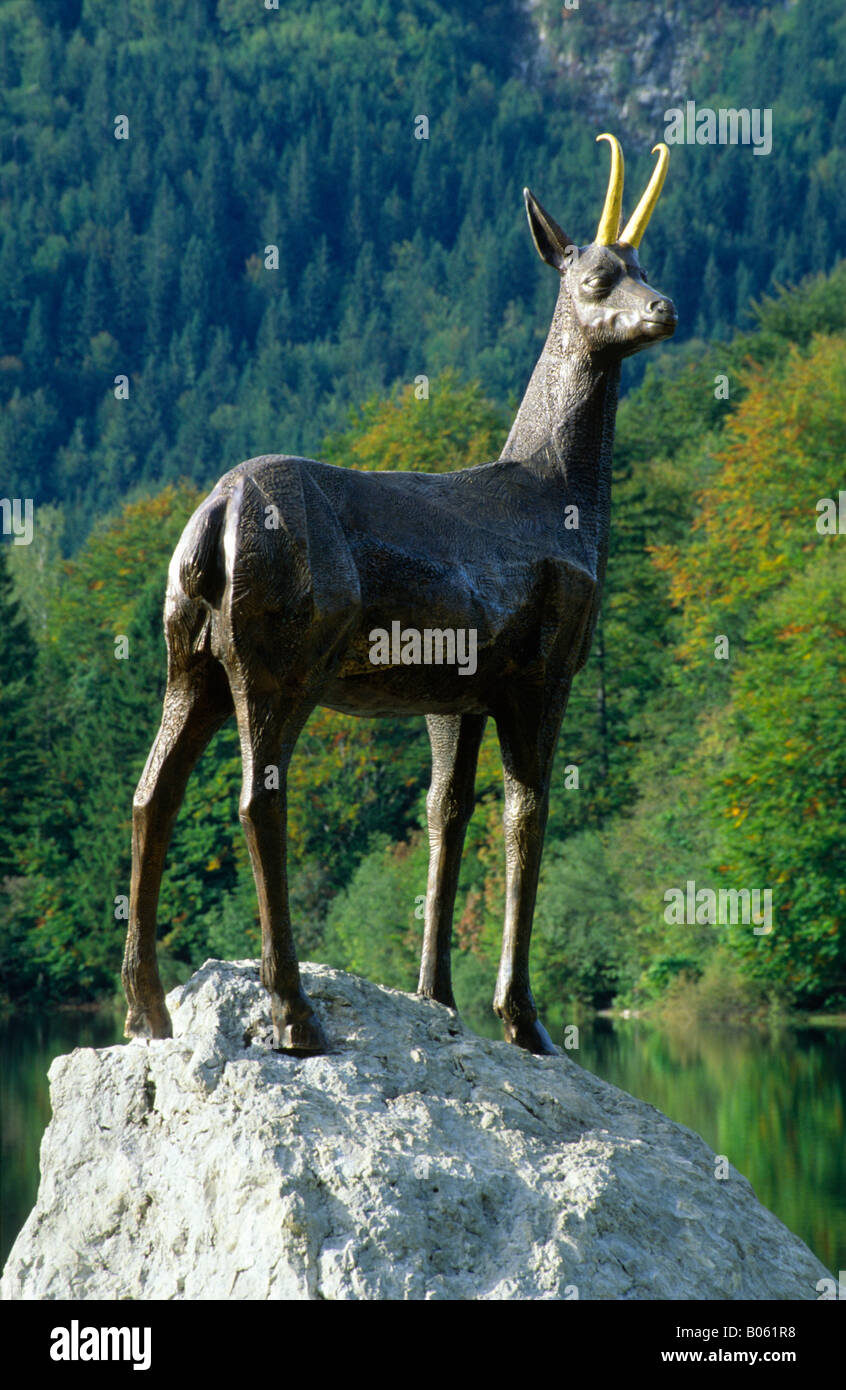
(270, 720)
(196, 703)
(455, 740)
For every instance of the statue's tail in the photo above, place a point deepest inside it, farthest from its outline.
(270, 544)
(198, 562)
(236, 540)
(195, 581)
(283, 549)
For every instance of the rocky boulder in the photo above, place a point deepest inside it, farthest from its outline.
(414, 1161)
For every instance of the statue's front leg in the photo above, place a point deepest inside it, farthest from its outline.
(527, 750)
(455, 740)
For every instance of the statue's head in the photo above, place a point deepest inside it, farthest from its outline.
(616, 311)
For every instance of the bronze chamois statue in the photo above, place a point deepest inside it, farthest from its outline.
(285, 572)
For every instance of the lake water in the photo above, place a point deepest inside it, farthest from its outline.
(774, 1104)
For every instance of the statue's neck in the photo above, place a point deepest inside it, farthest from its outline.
(564, 432)
(565, 423)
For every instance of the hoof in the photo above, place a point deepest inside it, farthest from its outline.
(296, 1028)
(440, 996)
(533, 1037)
(301, 1039)
(153, 1022)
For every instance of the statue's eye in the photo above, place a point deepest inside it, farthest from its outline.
(597, 282)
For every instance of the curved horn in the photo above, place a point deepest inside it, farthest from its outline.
(637, 223)
(609, 222)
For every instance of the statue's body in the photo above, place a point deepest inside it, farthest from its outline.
(289, 566)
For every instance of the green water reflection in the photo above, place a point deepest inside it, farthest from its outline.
(28, 1045)
(773, 1103)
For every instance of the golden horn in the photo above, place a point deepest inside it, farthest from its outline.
(637, 223)
(609, 222)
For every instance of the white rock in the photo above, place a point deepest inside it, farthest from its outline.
(413, 1161)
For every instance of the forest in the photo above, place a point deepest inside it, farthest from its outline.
(268, 260)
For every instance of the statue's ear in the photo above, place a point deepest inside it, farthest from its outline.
(548, 237)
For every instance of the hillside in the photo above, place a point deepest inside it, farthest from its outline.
(246, 128)
(153, 260)
(687, 767)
